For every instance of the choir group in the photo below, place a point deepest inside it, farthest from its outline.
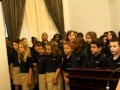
(44, 65)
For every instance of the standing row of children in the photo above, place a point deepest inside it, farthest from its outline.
(51, 59)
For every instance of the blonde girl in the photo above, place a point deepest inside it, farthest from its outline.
(25, 62)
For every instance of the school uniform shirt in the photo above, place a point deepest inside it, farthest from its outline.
(24, 66)
(99, 61)
(15, 58)
(34, 54)
(80, 59)
(53, 62)
(113, 63)
(67, 62)
(41, 64)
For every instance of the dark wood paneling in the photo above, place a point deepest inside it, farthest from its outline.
(91, 79)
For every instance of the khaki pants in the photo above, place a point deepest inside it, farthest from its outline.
(16, 75)
(35, 76)
(42, 82)
(51, 85)
(24, 85)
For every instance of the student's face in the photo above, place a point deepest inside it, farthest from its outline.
(21, 48)
(114, 48)
(48, 50)
(41, 50)
(44, 36)
(15, 46)
(67, 49)
(71, 36)
(95, 50)
(57, 38)
(36, 48)
(88, 39)
(109, 36)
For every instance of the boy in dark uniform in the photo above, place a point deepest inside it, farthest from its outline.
(41, 66)
(34, 55)
(114, 60)
(32, 49)
(98, 59)
(79, 57)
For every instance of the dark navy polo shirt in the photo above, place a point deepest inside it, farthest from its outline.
(15, 58)
(113, 63)
(80, 59)
(24, 66)
(53, 62)
(67, 62)
(99, 61)
(41, 64)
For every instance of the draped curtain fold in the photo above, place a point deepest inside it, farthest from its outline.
(36, 21)
(55, 9)
(13, 14)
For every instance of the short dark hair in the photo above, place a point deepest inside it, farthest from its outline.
(80, 34)
(98, 42)
(33, 38)
(57, 35)
(37, 43)
(116, 39)
(16, 40)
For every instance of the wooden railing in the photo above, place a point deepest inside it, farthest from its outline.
(92, 79)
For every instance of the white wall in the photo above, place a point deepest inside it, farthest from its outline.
(87, 15)
(66, 14)
(115, 14)
(4, 73)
